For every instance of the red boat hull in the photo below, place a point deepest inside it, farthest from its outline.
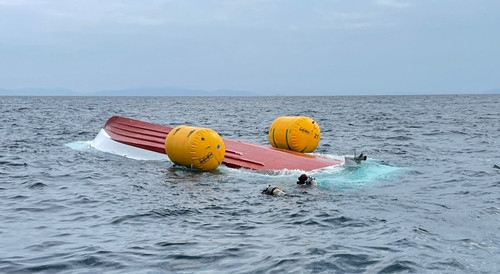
(239, 154)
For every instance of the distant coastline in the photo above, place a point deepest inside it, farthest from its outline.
(125, 92)
(183, 92)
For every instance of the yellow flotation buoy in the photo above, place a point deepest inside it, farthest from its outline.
(297, 133)
(194, 147)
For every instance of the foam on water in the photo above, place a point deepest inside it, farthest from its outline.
(366, 174)
(80, 145)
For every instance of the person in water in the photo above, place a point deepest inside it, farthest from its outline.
(305, 180)
(273, 190)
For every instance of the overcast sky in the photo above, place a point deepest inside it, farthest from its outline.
(294, 47)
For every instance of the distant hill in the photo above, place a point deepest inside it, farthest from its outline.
(125, 92)
(165, 91)
(171, 92)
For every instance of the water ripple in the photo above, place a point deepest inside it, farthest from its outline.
(425, 201)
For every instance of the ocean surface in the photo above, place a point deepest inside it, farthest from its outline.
(427, 200)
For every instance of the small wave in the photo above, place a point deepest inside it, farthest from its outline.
(37, 185)
(45, 245)
(400, 266)
(399, 138)
(175, 244)
(449, 263)
(79, 263)
(154, 214)
(13, 164)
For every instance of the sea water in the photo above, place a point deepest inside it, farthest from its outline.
(426, 200)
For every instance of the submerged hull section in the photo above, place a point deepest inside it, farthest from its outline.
(151, 137)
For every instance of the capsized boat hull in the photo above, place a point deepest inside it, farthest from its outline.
(151, 137)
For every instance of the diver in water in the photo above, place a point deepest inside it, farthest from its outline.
(305, 180)
(273, 190)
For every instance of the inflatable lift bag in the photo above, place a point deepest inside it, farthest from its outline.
(200, 148)
(296, 133)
